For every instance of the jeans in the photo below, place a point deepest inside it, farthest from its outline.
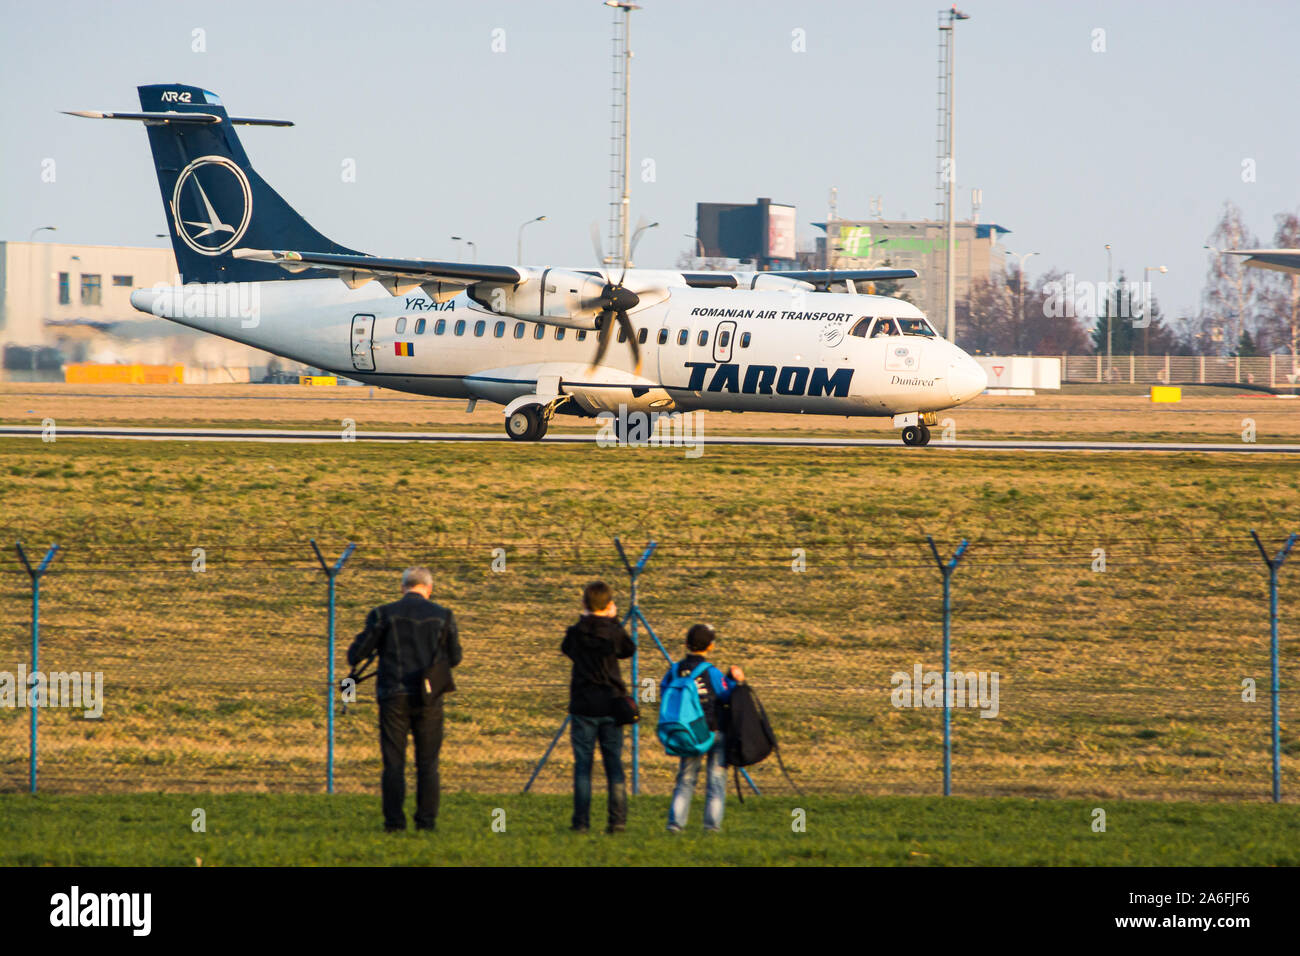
(398, 716)
(585, 732)
(715, 800)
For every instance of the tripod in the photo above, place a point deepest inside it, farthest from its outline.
(632, 621)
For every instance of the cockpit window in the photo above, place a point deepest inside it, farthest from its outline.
(885, 327)
(860, 330)
(916, 327)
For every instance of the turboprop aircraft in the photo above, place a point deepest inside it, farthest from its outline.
(535, 340)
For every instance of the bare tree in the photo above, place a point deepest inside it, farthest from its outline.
(1280, 300)
(1231, 296)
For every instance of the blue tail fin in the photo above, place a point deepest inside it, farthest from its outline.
(215, 201)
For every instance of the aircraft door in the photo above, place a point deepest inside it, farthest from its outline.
(363, 330)
(724, 340)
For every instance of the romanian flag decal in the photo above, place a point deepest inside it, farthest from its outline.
(404, 348)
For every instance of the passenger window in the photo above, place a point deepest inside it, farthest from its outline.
(744, 340)
(539, 331)
(860, 330)
(519, 330)
(704, 337)
(622, 334)
(682, 336)
(439, 327)
(884, 327)
(642, 337)
(479, 327)
(401, 325)
(581, 336)
(499, 329)
(723, 339)
(459, 327)
(663, 336)
(419, 326)
(559, 333)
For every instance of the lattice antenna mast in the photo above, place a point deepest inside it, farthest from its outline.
(619, 180)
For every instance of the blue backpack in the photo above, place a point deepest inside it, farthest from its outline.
(683, 729)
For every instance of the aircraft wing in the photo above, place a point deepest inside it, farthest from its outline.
(1279, 260)
(824, 277)
(441, 280)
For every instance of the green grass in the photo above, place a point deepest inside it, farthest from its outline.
(282, 830)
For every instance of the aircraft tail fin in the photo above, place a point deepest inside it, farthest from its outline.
(215, 201)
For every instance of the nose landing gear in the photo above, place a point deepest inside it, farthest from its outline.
(916, 435)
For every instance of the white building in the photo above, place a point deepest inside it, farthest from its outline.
(76, 299)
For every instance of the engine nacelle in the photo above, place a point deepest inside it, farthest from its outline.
(554, 297)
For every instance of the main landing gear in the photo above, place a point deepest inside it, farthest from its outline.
(916, 435)
(529, 421)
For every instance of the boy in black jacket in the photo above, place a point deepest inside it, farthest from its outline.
(595, 645)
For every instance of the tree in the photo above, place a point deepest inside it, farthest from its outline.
(1279, 327)
(1231, 296)
(1049, 331)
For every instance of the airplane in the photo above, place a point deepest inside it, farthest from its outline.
(523, 337)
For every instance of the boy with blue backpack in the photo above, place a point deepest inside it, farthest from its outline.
(692, 724)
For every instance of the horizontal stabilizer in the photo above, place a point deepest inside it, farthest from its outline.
(170, 117)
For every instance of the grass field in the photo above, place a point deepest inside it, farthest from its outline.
(1125, 684)
(266, 830)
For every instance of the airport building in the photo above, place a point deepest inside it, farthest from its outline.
(919, 245)
(63, 303)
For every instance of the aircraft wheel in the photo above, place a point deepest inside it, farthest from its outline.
(925, 435)
(912, 435)
(526, 424)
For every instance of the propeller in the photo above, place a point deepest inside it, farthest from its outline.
(616, 300)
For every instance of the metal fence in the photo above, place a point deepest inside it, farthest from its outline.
(1124, 668)
(1265, 371)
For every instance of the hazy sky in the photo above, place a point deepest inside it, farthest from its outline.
(1138, 146)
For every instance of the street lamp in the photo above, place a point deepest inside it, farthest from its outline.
(519, 245)
(32, 236)
(699, 245)
(457, 239)
(1146, 300)
(1020, 284)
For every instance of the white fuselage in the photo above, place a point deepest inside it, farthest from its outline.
(718, 349)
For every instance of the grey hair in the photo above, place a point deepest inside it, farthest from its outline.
(416, 576)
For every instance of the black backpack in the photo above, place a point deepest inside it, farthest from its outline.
(749, 735)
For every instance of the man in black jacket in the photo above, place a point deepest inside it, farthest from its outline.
(595, 645)
(418, 644)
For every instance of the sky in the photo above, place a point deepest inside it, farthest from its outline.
(470, 118)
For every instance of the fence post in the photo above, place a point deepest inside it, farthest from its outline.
(1274, 564)
(946, 569)
(331, 573)
(35, 574)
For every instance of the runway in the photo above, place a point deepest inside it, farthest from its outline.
(273, 435)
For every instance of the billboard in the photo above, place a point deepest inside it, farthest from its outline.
(761, 231)
(780, 232)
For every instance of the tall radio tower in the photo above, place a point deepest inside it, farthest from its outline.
(619, 185)
(947, 171)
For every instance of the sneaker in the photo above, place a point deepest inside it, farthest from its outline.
(615, 828)
(579, 829)
(674, 829)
